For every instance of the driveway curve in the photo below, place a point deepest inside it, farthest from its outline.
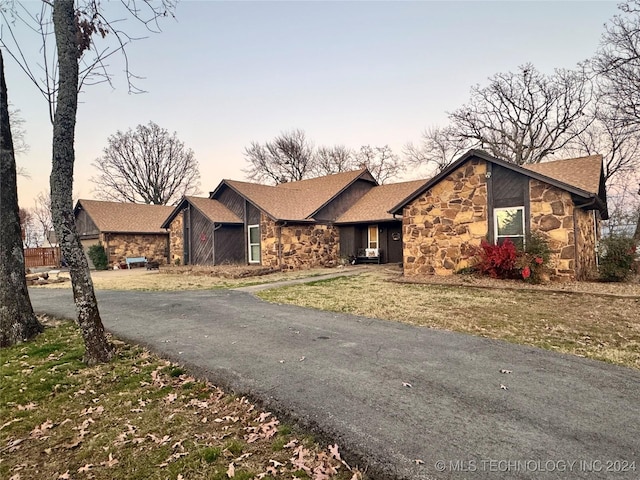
(401, 401)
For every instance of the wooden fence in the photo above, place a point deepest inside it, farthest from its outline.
(42, 257)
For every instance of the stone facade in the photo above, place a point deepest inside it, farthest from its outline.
(301, 246)
(442, 227)
(552, 212)
(121, 246)
(176, 239)
(586, 241)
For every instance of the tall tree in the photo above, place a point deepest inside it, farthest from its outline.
(17, 320)
(148, 165)
(286, 158)
(70, 42)
(618, 64)
(336, 159)
(383, 164)
(438, 148)
(75, 29)
(526, 116)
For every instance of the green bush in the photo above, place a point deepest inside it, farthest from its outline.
(616, 256)
(534, 262)
(98, 256)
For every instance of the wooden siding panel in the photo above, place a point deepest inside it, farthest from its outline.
(344, 201)
(347, 241)
(229, 244)
(201, 239)
(232, 201)
(85, 225)
(509, 187)
(253, 215)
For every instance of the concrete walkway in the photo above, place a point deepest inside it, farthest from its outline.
(400, 401)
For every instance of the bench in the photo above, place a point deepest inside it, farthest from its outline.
(369, 255)
(135, 260)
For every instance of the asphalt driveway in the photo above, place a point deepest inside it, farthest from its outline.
(402, 401)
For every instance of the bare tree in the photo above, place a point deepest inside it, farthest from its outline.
(336, 159)
(618, 64)
(383, 164)
(526, 116)
(438, 148)
(41, 214)
(148, 165)
(75, 31)
(17, 320)
(287, 158)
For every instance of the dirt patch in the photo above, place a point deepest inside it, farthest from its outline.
(222, 271)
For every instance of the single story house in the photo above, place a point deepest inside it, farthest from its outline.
(124, 229)
(479, 197)
(289, 226)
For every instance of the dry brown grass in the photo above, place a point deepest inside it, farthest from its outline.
(601, 327)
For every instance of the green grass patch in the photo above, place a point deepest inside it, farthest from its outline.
(138, 417)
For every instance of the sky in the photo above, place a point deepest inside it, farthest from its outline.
(224, 74)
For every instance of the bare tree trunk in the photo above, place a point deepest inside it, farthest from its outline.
(98, 348)
(17, 321)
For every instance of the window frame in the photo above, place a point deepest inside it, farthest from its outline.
(377, 240)
(497, 238)
(254, 244)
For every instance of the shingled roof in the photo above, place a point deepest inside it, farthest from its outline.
(115, 217)
(296, 201)
(374, 205)
(583, 172)
(580, 176)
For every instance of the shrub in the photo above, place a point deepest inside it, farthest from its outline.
(98, 256)
(498, 261)
(534, 262)
(616, 256)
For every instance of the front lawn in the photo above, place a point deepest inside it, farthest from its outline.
(602, 327)
(138, 417)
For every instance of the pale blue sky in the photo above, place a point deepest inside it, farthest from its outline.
(228, 73)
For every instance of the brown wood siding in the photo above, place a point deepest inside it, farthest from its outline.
(201, 238)
(509, 187)
(344, 201)
(347, 241)
(85, 225)
(253, 215)
(229, 244)
(232, 201)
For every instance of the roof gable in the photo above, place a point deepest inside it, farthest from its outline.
(295, 201)
(374, 205)
(116, 217)
(211, 209)
(577, 186)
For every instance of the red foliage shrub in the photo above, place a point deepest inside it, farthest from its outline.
(498, 261)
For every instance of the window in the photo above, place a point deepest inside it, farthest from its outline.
(373, 236)
(254, 243)
(509, 223)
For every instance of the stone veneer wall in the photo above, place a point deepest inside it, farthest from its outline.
(586, 239)
(552, 213)
(176, 239)
(443, 226)
(302, 246)
(154, 247)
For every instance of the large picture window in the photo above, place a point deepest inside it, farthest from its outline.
(509, 223)
(254, 243)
